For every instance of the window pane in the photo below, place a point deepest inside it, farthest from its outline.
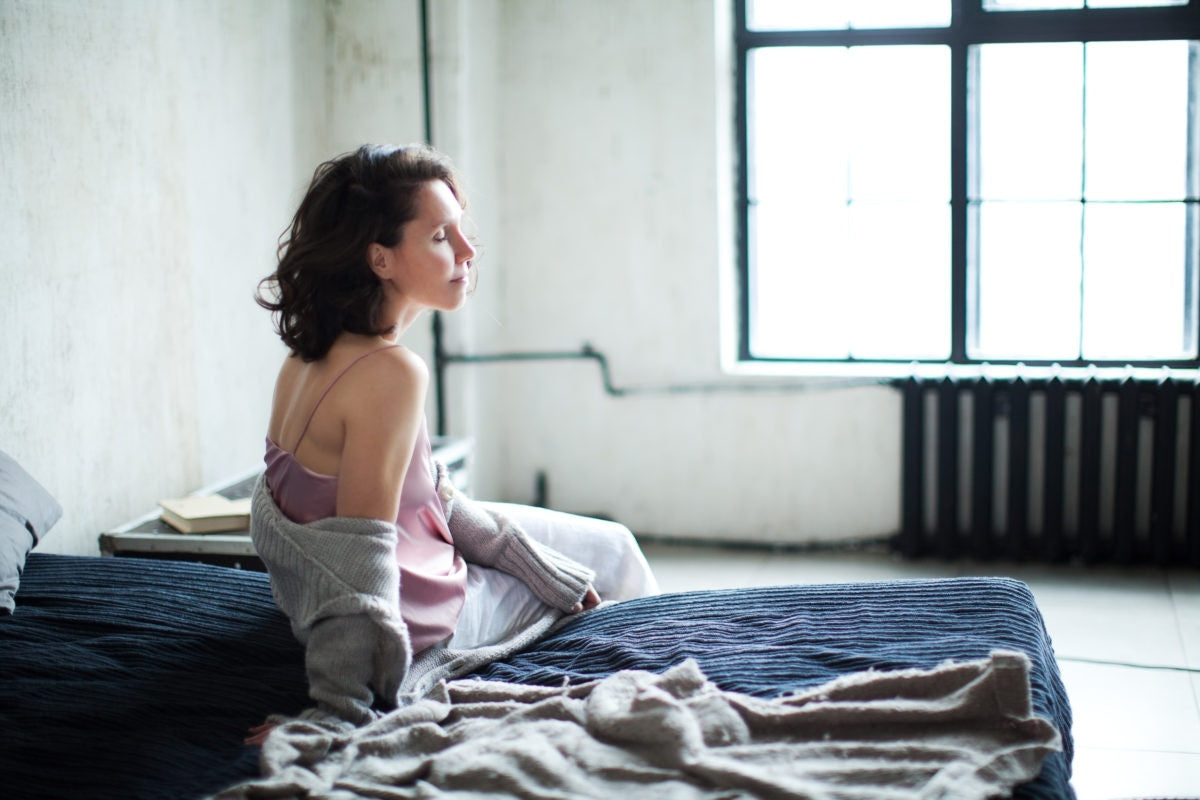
(1134, 282)
(900, 270)
(1026, 5)
(1028, 272)
(876, 125)
(833, 275)
(1036, 121)
(1134, 3)
(890, 14)
(1029, 100)
(798, 128)
(1136, 125)
(869, 280)
(900, 123)
(798, 281)
(1032, 5)
(842, 14)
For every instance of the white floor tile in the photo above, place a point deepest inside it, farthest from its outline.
(1132, 709)
(685, 569)
(1122, 620)
(834, 567)
(1196, 689)
(1185, 594)
(1103, 774)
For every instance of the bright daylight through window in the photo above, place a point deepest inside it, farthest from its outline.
(970, 180)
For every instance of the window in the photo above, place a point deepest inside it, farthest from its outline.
(970, 181)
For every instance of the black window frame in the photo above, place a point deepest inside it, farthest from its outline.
(970, 25)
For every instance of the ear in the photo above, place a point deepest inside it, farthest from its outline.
(379, 260)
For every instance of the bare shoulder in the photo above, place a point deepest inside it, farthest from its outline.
(384, 385)
(394, 367)
(382, 408)
(406, 359)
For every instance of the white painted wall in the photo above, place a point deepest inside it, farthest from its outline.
(611, 122)
(153, 152)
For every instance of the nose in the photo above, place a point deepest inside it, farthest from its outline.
(466, 251)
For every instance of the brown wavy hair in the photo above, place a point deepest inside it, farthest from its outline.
(323, 284)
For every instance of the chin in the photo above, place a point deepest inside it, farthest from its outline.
(460, 297)
(453, 304)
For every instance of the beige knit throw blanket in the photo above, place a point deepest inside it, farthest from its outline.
(961, 730)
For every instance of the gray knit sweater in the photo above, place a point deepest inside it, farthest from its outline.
(338, 583)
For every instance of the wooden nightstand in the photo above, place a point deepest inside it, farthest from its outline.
(149, 537)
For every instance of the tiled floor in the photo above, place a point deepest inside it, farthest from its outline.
(1127, 640)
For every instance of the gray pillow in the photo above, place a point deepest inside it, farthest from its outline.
(27, 513)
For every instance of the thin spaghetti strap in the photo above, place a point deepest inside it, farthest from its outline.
(336, 378)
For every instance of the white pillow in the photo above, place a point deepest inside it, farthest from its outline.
(27, 513)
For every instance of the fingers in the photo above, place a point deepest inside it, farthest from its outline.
(590, 600)
(259, 733)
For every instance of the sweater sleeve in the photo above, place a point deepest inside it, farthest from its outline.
(489, 538)
(338, 583)
(340, 661)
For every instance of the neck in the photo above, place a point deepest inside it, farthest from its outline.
(405, 320)
(401, 313)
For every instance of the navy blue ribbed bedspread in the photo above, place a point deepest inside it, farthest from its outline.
(132, 678)
(769, 641)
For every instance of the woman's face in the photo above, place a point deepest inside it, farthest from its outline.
(431, 265)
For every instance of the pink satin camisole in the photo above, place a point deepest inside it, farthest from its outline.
(432, 573)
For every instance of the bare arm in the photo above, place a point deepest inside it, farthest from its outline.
(383, 412)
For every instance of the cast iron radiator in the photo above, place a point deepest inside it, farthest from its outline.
(1051, 470)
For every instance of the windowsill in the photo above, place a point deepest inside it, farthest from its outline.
(883, 370)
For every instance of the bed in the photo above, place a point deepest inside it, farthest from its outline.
(139, 678)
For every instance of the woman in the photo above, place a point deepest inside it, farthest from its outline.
(390, 578)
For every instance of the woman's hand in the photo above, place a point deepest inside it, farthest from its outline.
(590, 600)
(259, 733)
